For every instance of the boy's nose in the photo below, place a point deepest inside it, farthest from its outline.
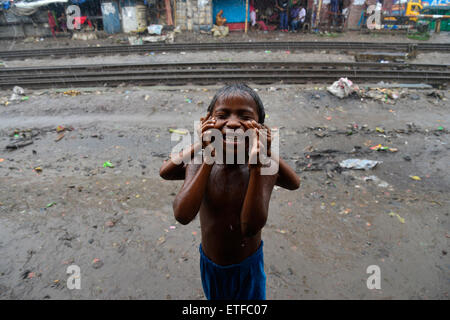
(233, 124)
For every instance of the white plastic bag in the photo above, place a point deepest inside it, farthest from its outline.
(342, 88)
(155, 29)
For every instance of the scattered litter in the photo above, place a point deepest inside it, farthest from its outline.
(17, 145)
(161, 240)
(342, 88)
(440, 128)
(97, 263)
(220, 31)
(172, 227)
(359, 164)
(177, 131)
(380, 130)
(268, 51)
(188, 100)
(393, 214)
(17, 94)
(436, 94)
(380, 183)
(345, 211)
(155, 29)
(72, 93)
(281, 231)
(108, 164)
(38, 169)
(109, 224)
(417, 178)
(59, 137)
(51, 204)
(380, 147)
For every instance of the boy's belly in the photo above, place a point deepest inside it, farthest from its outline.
(222, 240)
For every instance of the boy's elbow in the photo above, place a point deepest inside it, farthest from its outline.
(163, 173)
(180, 215)
(251, 229)
(296, 184)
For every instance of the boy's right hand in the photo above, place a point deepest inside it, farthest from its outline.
(206, 124)
(204, 131)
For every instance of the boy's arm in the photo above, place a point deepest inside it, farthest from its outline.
(256, 202)
(172, 171)
(287, 178)
(189, 199)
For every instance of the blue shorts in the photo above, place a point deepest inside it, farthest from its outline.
(243, 281)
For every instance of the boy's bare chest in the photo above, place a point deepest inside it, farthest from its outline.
(226, 188)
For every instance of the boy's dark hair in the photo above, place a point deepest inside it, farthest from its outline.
(239, 89)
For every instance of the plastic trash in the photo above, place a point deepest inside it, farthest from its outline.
(17, 94)
(342, 88)
(177, 131)
(155, 29)
(359, 164)
(108, 164)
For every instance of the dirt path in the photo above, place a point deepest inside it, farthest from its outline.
(319, 240)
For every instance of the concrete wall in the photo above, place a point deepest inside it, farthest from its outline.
(12, 26)
(193, 15)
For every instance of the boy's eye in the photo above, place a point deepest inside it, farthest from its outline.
(221, 116)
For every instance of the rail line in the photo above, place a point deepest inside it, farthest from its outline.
(175, 47)
(205, 73)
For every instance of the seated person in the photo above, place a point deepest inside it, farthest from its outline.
(298, 15)
(220, 21)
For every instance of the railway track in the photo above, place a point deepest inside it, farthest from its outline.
(220, 72)
(162, 47)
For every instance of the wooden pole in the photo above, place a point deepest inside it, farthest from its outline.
(318, 14)
(246, 15)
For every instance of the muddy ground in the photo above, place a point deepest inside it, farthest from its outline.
(117, 223)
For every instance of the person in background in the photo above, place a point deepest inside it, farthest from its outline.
(51, 23)
(282, 6)
(63, 22)
(252, 15)
(220, 21)
(333, 13)
(298, 15)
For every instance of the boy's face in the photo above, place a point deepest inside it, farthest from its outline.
(231, 113)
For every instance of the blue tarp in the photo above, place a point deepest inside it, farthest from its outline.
(233, 10)
(5, 5)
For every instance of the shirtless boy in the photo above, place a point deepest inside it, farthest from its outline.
(233, 199)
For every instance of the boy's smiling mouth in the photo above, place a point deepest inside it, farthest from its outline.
(231, 137)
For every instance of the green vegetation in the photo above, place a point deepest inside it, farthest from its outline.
(422, 36)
